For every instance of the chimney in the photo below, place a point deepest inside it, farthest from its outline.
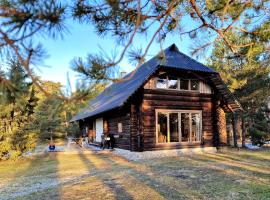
(122, 74)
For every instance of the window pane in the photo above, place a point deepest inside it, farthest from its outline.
(120, 127)
(184, 84)
(162, 128)
(195, 129)
(174, 133)
(194, 84)
(172, 83)
(185, 127)
(161, 83)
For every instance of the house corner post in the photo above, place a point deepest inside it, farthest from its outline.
(215, 125)
(81, 124)
(133, 128)
(220, 125)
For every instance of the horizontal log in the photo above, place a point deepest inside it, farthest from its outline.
(176, 93)
(172, 103)
(173, 146)
(176, 98)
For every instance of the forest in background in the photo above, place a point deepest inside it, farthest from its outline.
(236, 33)
(29, 117)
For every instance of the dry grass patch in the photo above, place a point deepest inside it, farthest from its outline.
(228, 175)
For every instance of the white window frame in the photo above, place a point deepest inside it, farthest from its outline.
(167, 112)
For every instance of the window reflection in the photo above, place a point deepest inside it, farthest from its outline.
(195, 131)
(185, 127)
(161, 83)
(172, 83)
(162, 128)
(194, 84)
(174, 132)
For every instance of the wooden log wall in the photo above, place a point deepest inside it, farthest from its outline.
(122, 140)
(178, 100)
(110, 125)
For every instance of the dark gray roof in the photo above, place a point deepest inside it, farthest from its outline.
(118, 93)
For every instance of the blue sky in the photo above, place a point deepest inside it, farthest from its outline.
(82, 40)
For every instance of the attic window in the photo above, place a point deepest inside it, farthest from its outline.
(173, 83)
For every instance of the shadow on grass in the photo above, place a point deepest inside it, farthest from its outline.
(218, 181)
(156, 183)
(118, 191)
(238, 167)
(262, 155)
(170, 188)
(40, 174)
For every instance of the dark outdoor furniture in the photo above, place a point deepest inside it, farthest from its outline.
(112, 141)
(52, 147)
(107, 141)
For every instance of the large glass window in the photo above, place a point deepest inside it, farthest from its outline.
(178, 126)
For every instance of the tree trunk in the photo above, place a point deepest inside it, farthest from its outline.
(66, 125)
(243, 131)
(234, 124)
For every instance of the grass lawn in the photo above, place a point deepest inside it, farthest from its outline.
(229, 175)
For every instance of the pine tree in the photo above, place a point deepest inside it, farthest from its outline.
(47, 118)
(247, 76)
(260, 129)
(17, 108)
